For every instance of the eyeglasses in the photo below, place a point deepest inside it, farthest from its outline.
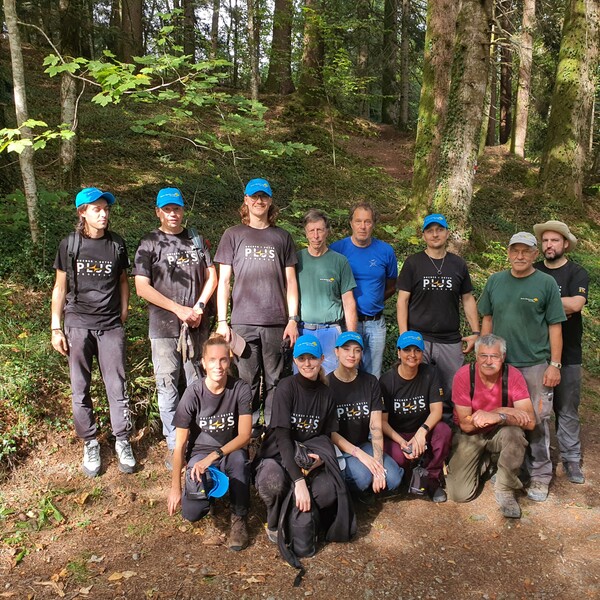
(486, 357)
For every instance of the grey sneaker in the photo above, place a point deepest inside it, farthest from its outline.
(537, 491)
(439, 495)
(238, 536)
(509, 507)
(272, 534)
(91, 458)
(574, 473)
(124, 452)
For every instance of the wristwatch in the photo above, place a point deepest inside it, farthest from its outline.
(199, 308)
(294, 318)
(555, 364)
(219, 453)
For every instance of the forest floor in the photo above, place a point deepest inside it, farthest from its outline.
(64, 535)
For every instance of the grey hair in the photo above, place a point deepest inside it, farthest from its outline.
(314, 215)
(490, 340)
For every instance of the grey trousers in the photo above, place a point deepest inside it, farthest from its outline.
(448, 358)
(109, 348)
(567, 395)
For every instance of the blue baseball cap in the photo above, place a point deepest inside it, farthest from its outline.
(89, 195)
(220, 483)
(169, 196)
(258, 185)
(349, 336)
(308, 344)
(433, 220)
(411, 338)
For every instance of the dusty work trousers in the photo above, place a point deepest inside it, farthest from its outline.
(567, 395)
(108, 346)
(472, 453)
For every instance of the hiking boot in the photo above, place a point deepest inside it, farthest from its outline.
(509, 507)
(272, 534)
(573, 472)
(537, 491)
(366, 497)
(439, 495)
(238, 536)
(91, 458)
(125, 455)
(169, 459)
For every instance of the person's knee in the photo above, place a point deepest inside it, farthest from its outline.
(194, 510)
(270, 480)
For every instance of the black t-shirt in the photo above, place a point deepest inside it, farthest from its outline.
(355, 401)
(433, 308)
(407, 400)
(573, 280)
(212, 419)
(175, 269)
(258, 258)
(305, 407)
(98, 268)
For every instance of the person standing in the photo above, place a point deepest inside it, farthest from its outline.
(522, 305)
(177, 280)
(431, 286)
(91, 293)
(325, 284)
(375, 270)
(573, 283)
(262, 259)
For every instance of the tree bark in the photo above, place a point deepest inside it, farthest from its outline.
(460, 145)
(433, 105)
(492, 123)
(253, 47)
(279, 80)
(567, 145)
(214, 29)
(131, 23)
(404, 67)
(9, 178)
(189, 29)
(310, 82)
(505, 8)
(389, 58)
(519, 133)
(363, 10)
(26, 157)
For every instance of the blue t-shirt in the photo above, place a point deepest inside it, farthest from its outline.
(372, 267)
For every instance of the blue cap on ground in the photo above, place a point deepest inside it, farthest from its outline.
(258, 185)
(169, 196)
(411, 338)
(220, 483)
(435, 219)
(349, 336)
(308, 344)
(89, 195)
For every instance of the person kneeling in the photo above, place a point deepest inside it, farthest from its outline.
(492, 409)
(213, 427)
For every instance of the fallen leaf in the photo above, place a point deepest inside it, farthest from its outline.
(82, 499)
(128, 574)
(85, 591)
(255, 579)
(7, 594)
(23, 335)
(115, 576)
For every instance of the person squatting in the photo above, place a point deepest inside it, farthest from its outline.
(336, 431)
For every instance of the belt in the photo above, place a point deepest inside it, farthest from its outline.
(315, 326)
(370, 317)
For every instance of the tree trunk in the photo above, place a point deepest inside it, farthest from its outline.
(569, 128)
(505, 8)
(389, 58)
(8, 180)
(214, 29)
(26, 157)
(310, 82)
(235, 26)
(253, 47)
(404, 67)
(433, 105)
(115, 28)
(131, 23)
(460, 145)
(363, 11)
(519, 133)
(493, 92)
(189, 29)
(279, 80)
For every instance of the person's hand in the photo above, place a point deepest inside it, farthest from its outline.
(418, 442)
(318, 462)
(521, 417)
(173, 500)
(200, 468)
(187, 314)
(374, 466)
(551, 376)
(59, 342)
(223, 329)
(302, 495)
(469, 342)
(291, 331)
(379, 483)
(484, 418)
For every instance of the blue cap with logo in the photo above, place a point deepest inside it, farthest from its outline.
(169, 196)
(220, 483)
(89, 195)
(411, 338)
(258, 185)
(349, 336)
(435, 219)
(308, 344)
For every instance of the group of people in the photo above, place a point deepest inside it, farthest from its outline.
(337, 428)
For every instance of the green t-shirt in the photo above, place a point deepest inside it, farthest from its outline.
(521, 310)
(322, 280)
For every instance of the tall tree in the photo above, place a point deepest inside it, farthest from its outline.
(279, 80)
(519, 133)
(570, 126)
(214, 29)
(433, 105)
(253, 47)
(389, 58)
(505, 8)
(189, 28)
(492, 122)
(132, 35)
(363, 11)
(460, 145)
(404, 66)
(20, 97)
(310, 82)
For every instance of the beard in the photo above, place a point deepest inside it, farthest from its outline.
(553, 256)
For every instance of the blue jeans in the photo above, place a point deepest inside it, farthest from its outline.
(327, 335)
(167, 366)
(373, 333)
(360, 479)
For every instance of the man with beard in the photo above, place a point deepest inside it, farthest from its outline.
(573, 282)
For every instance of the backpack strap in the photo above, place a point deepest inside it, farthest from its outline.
(197, 240)
(472, 380)
(73, 246)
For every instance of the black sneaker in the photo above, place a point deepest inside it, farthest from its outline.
(439, 495)
(574, 472)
